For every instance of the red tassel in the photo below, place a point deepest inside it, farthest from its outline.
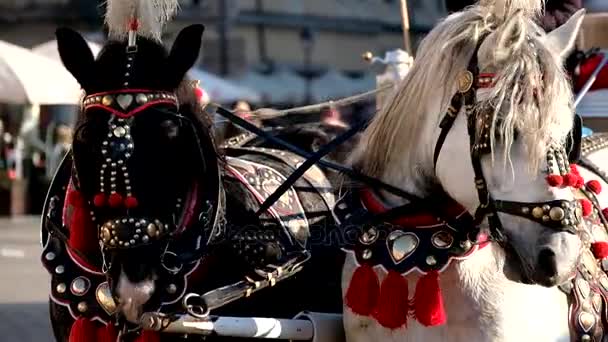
(428, 301)
(82, 330)
(83, 235)
(134, 24)
(363, 291)
(148, 336)
(107, 333)
(115, 200)
(393, 303)
(555, 180)
(594, 186)
(570, 179)
(586, 206)
(600, 249)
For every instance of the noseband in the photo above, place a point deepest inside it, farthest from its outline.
(561, 215)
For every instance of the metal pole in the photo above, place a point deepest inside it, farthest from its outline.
(236, 327)
(405, 23)
(223, 37)
(591, 80)
(261, 32)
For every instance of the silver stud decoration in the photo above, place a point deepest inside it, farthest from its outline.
(50, 256)
(83, 307)
(171, 289)
(431, 260)
(59, 269)
(442, 240)
(80, 286)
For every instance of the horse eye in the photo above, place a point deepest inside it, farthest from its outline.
(170, 129)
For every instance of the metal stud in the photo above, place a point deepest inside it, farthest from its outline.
(80, 286)
(107, 100)
(82, 307)
(525, 210)
(537, 212)
(366, 254)
(50, 256)
(59, 269)
(61, 288)
(442, 240)
(171, 289)
(119, 132)
(430, 260)
(557, 214)
(141, 99)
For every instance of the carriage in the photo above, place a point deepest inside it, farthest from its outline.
(151, 233)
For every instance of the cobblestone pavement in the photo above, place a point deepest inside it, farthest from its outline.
(23, 283)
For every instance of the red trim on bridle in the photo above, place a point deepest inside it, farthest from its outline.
(133, 112)
(485, 80)
(122, 91)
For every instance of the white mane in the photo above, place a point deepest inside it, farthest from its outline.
(531, 91)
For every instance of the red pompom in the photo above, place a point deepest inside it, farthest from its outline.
(107, 333)
(587, 207)
(99, 200)
(82, 330)
(363, 291)
(555, 180)
(570, 179)
(428, 301)
(600, 249)
(574, 169)
(605, 212)
(393, 303)
(131, 202)
(580, 182)
(594, 186)
(148, 336)
(115, 200)
(198, 92)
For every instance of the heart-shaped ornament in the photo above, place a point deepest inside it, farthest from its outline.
(124, 100)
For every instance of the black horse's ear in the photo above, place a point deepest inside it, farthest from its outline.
(573, 142)
(76, 56)
(184, 53)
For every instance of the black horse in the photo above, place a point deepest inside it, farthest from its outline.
(145, 210)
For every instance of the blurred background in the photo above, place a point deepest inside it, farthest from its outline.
(277, 53)
(256, 53)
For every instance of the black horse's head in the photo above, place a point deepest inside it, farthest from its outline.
(141, 154)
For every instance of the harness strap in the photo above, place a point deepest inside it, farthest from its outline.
(336, 167)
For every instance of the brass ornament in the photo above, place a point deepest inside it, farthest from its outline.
(465, 81)
(538, 212)
(105, 234)
(152, 230)
(61, 288)
(557, 214)
(401, 245)
(83, 307)
(107, 100)
(586, 321)
(105, 299)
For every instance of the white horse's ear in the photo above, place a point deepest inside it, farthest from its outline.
(562, 39)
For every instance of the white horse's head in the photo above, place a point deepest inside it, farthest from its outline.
(521, 121)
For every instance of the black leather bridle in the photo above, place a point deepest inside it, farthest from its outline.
(561, 215)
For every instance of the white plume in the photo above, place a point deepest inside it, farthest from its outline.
(504, 9)
(152, 16)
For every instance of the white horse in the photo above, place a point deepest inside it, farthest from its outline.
(532, 100)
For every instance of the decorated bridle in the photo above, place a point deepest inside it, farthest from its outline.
(561, 215)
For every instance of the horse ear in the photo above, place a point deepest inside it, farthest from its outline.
(510, 37)
(562, 39)
(184, 52)
(76, 56)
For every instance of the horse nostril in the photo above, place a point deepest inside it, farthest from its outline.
(547, 263)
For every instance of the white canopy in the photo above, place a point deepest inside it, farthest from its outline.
(221, 90)
(26, 77)
(50, 49)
